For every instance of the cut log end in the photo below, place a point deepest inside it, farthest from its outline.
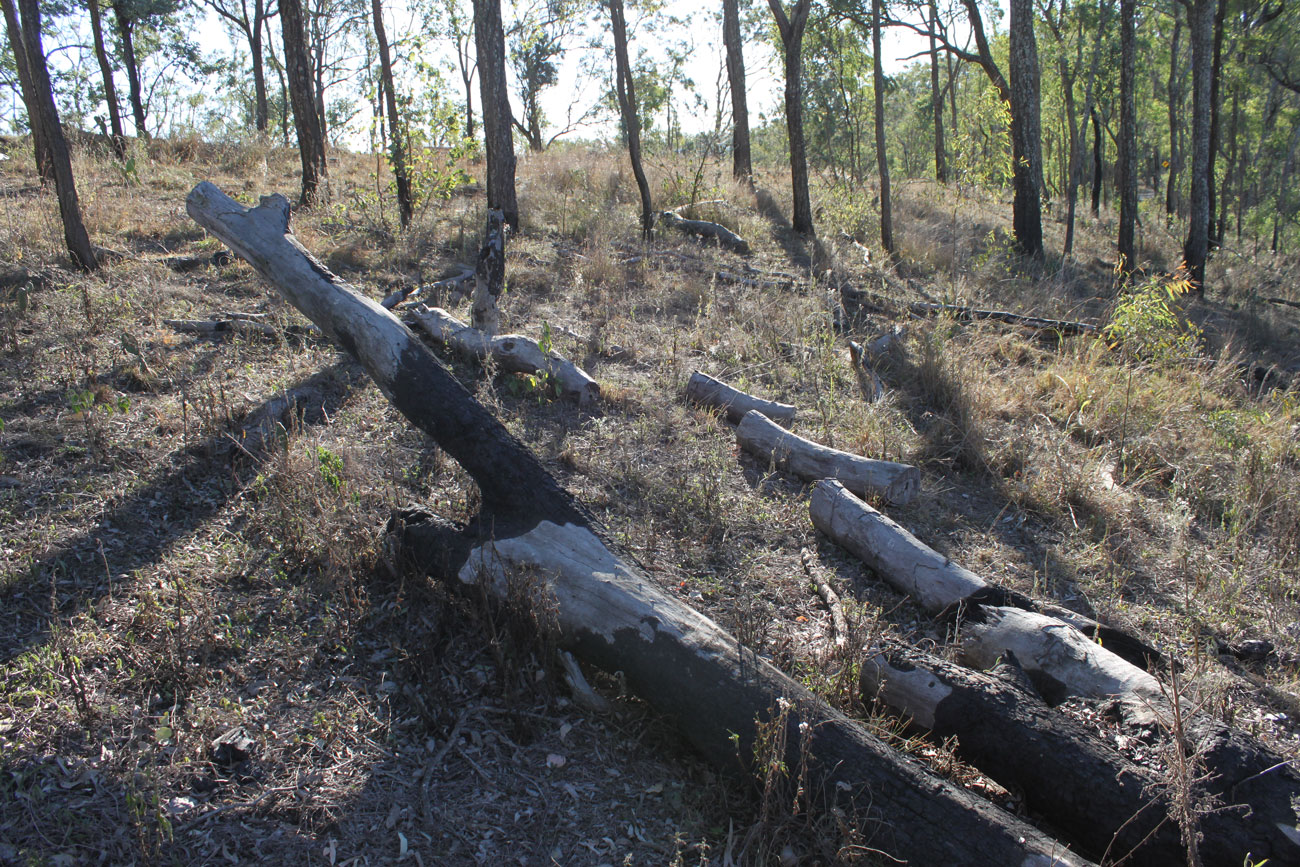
(707, 391)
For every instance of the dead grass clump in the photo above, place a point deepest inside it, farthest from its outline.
(951, 422)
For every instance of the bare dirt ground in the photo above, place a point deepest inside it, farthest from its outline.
(212, 653)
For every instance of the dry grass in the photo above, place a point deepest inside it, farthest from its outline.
(158, 592)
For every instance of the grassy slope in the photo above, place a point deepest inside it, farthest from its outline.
(158, 592)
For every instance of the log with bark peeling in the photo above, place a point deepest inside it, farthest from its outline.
(704, 389)
(511, 352)
(896, 483)
(726, 238)
(531, 539)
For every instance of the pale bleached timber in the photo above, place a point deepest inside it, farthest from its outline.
(944, 588)
(868, 380)
(726, 238)
(704, 389)
(513, 353)
(898, 484)
(533, 541)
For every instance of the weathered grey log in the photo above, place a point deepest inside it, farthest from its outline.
(868, 381)
(1065, 327)
(532, 541)
(883, 344)
(897, 483)
(513, 353)
(726, 238)
(246, 327)
(704, 389)
(186, 264)
(939, 585)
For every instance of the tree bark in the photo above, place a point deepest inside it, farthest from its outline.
(1098, 143)
(1078, 133)
(627, 105)
(936, 102)
(897, 484)
(1026, 131)
(1174, 97)
(1200, 31)
(47, 119)
(882, 153)
(106, 72)
(741, 166)
(396, 134)
(40, 146)
(125, 31)
(1128, 194)
(534, 544)
(704, 389)
(792, 29)
(306, 119)
(1216, 79)
(261, 111)
(490, 43)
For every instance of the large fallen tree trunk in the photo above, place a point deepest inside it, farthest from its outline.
(1066, 327)
(532, 540)
(705, 229)
(511, 352)
(940, 586)
(1112, 807)
(760, 436)
(704, 389)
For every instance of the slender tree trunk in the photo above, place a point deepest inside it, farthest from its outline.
(741, 167)
(47, 117)
(40, 146)
(490, 42)
(627, 105)
(936, 101)
(1026, 131)
(106, 71)
(261, 113)
(397, 138)
(1216, 77)
(792, 30)
(306, 120)
(1128, 198)
(1098, 143)
(882, 155)
(1231, 172)
(1174, 98)
(125, 26)
(1200, 31)
(467, 76)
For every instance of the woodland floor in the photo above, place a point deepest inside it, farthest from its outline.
(158, 588)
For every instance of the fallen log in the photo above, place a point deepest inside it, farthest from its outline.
(242, 326)
(704, 389)
(868, 380)
(897, 483)
(940, 586)
(1112, 807)
(513, 353)
(726, 238)
(532, 541)
(1065, 327)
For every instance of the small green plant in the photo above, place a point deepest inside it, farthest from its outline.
(1147, 324)
(331, 467)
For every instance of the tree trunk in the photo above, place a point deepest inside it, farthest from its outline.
(1174, 97)
(125, 27)
(936, 102)
(261, 112)
(1216, 79)
(40, 145)
(792, 30)
(47, 118)
(106, 72)
(306, 120)
(741, 167)
(1078, 133)
(882, 154)
(1128, 194)
(490, 42)
(627, 106)
(534, 544)
(704, 389)
(1233, 150)
(1026, 131)
(1098, 143)
(1200, 31)
(397, 136)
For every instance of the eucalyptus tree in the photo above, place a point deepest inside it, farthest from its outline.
(791, 26)
(490, 43)
(1200, 28)
(397, 138)
(117, 135)
(27, 88)
(882, 157)
(251, 21)
(306, 119)
(625, 89)
(741, 163)
(539, 37)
